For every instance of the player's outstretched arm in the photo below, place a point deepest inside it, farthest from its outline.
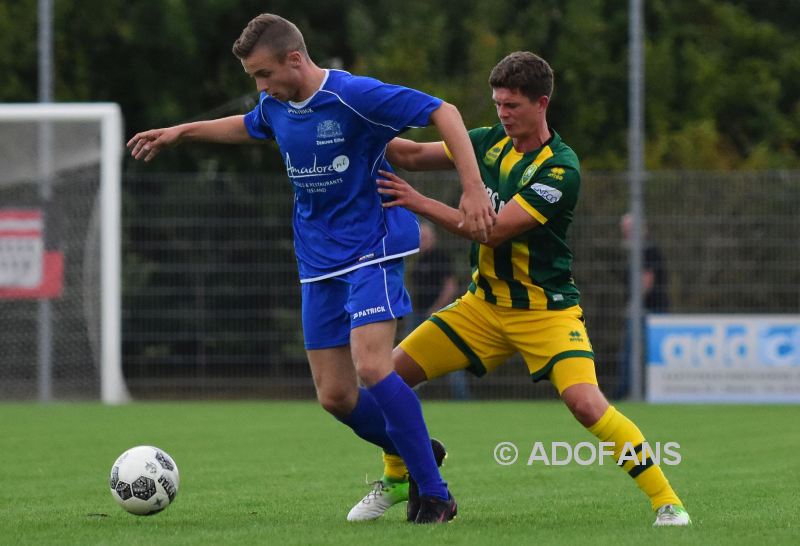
(148, 144)
(477, 212)
(511, 221)
(417, 156)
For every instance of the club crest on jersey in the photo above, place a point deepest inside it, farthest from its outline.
(528, 174)
(329, 132)
(328, 129)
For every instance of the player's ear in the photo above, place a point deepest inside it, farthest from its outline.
(542, 102)
(294, 58)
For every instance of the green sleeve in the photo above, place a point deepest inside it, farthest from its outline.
(552, 190)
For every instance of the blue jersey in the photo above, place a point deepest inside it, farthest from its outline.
(333, 145)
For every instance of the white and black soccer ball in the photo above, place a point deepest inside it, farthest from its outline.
(144, 480)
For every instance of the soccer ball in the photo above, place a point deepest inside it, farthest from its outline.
(144, 480)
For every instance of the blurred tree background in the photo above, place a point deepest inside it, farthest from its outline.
(722, 86)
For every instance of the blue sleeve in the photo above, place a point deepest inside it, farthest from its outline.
(255, 121)
(389, 108)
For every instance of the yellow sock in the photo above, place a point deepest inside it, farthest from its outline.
(615, 427)
(394, 468)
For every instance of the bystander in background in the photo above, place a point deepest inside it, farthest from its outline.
(654, 297)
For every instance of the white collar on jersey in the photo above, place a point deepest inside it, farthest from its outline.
(299, 105)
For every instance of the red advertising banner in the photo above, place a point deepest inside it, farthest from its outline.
(27, 269)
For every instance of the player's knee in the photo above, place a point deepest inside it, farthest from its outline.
(587, 405)
(405, 366)
(338, 403)
(584, 411)
(372, 371)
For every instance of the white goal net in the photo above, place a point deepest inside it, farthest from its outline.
(60, 252)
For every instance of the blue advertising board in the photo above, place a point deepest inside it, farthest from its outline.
(723, 358)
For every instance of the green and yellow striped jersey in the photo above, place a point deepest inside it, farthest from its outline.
(534, 269)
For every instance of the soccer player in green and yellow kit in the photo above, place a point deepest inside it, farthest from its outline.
(522, 298)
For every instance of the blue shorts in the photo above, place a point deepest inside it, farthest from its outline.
(332, 307)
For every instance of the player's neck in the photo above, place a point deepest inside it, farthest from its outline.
(534, 140)
(313, 76)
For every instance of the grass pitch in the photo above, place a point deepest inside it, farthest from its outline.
(287, 473)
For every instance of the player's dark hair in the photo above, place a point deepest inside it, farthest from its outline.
(276, 33)
(525, 71)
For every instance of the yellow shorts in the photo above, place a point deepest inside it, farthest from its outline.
(479, 336)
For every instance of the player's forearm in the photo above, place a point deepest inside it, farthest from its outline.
(230, 130)
(442, 215)
(449, 123)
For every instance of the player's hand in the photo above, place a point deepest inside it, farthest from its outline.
(147, 144)
(403, 194)
(477, 214)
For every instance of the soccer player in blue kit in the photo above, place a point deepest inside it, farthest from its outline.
(332, 129)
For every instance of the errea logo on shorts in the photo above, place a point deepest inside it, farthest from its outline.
(549, 194)
(369, 311)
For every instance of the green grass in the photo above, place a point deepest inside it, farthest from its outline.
(286, 473)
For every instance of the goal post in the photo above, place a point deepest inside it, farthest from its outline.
(80, 138)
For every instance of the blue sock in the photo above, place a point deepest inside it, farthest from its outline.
(406, 427)
(368, 423)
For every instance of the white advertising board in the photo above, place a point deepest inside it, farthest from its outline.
(723, 358)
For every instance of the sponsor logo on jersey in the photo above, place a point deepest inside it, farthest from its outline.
(369, 311)
(339, 164)
(494, 198)
(300, 111)
(549, 194)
